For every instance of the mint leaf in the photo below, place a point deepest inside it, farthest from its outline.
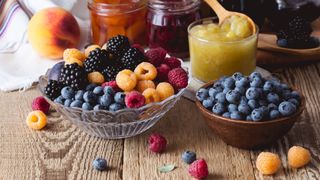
(167, 168)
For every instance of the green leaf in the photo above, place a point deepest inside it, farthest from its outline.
(167, 168)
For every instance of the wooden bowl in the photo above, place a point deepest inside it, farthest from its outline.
(247, 134)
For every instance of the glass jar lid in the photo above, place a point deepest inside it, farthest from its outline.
(116, 6)
(173, 6)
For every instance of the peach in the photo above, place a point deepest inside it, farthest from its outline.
(52, 30)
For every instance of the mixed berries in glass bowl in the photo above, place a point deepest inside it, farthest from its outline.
(115, 91)
(249, 111)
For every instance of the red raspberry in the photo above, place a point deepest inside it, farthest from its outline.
(162, 72)
(138, 46)
(156, 56)
(198, 169)
(157, 143)
(40, 103)
(112, 84)
(178, 78)
(172, 62)
(134, 99)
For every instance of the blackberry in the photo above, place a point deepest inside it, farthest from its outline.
(53, 88)
(96, 60)
(110, 72)
(118, 45)
(299, 28)
(132, 58)
(74, 76)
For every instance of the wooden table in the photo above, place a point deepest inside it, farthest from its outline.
(62, 151)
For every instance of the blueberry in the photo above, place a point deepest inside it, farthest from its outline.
(274, 114)
(263, 102)
(257, 114)
(236, 115)
(264, 110)
(115, 107)
(218, 87)
(233, 96)
(86, 106)
(67, 92)
(90, 97)
(284, 86)
(286, 94)
(99, 107)
(76, 103)
(202, 94)
(108, 90)
(248, 118)
(287, 108)
(295, 94)
(241, 90)
(254, 75)
(252, 93)
(232, 107)
(243, 82)
(294, 101)
(59, 100)
(237, 76)
(226, 90)
(218, 108)
(244, 109)
(273, 98)
(90, 87)
(268, 86)
(221, 97)
(79, 95)
(253, 104)
(256, 82)
(243, 100)
(228, 83)
(226, 114)
(67, 102)
(119, 97)
(283, 43)
(100, 164)
(222, 79)
(98, 90)
(105, 100)
(272, 107)
(208, 103)
(188, 157)
(213, 92)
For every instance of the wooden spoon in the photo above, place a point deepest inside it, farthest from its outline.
(223, 14)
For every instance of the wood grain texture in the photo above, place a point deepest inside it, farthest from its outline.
(61, 151)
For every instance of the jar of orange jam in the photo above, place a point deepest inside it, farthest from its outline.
(118, 17)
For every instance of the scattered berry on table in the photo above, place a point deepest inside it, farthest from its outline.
(198, 169)
(268, 163)
(172, 62)
(40, 103)
(135, 99)
(178, 78)
(188, 157)
(53, 89)
(36, 120)
(157, 143)
(100, 164)
(298, 156)
(156, 56)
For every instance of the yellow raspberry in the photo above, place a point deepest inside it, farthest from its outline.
(268, 163)
(73, 53)
(95, 78)
(298, 156)
(36, 120)
(90, 48)
(74, 60)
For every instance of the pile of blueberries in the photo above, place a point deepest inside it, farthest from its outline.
(251, 98)
(92, 98)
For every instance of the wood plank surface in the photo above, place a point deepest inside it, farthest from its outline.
(62, 151)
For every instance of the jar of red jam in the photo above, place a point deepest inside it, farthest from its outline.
(113, 17)
(167, 24)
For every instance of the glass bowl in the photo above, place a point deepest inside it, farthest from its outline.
(114, 125)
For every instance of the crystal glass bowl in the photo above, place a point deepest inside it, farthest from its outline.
(114, 125)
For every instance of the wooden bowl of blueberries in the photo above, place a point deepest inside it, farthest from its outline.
(249, 112)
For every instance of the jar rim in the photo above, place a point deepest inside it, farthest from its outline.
(173, 6)
(114, 8)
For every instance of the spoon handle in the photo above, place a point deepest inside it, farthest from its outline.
(221, 12)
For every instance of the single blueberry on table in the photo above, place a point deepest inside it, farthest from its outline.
(100, 164)
(98, 90)
(253, 104)
(115, 107)
(274, 114)
(232, 107)
(242, 82)
(256, 82)
(257, 114)
(87, 106)
(287, 108)
(105, 100)
(208, 103)
(119, 97)
(90, 87)
(252, 93)
(228, 83)
(218, 108)
(108, 90)
(221, 97)
(202, 94)
(79, 95)
(76, 103)
(237, 76)
(268, 86)
(188, 157)
(67, 102)
(213, 92)
(226, 114)
(67, 92)
(244, 109)
(273, 98)
(90, 97)
(236, 115)
(233, 96)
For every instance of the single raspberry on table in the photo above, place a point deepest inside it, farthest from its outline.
(172, 62)
(178, 78)
(138, 46)
(198, 169)
(156, 56)
(162, 74)
(112, 84)
(40, 103)
(157, 143)
(134, 99)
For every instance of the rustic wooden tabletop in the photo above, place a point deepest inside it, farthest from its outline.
(62, 151)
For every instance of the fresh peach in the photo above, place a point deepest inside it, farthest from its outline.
(52, 30)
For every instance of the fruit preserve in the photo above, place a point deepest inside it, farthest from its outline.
(220, 50)
(167, 24)
(113, 17)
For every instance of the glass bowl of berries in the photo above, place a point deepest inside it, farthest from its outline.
(115, 91)
(249, 112)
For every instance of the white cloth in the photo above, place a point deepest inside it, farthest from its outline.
(20, 65)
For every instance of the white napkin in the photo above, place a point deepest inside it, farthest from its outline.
(20, 65)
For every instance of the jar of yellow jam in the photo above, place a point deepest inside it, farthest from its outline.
(220, 50)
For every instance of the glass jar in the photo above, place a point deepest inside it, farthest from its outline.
(167, 24)
(213, 55)
(118, 17)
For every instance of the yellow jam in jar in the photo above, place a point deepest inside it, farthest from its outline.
(220, 50)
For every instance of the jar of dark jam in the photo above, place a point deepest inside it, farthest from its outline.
(167, 24)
